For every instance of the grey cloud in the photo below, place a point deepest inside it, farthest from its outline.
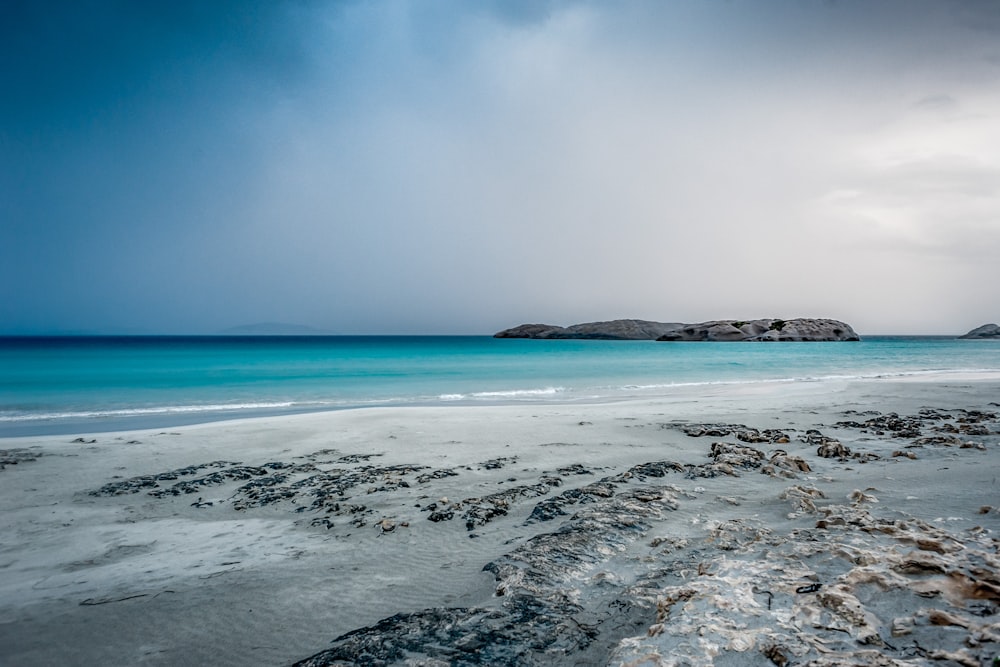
(938, 101)
(419, 167)
(981, 15)
(939, 175)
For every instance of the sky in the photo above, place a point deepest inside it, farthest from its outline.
(447, 166)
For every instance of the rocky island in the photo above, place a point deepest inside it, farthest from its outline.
(766, 330)
(770, 329)
(985, 331)
(612, 330)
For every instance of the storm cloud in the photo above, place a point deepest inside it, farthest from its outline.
(454, 167)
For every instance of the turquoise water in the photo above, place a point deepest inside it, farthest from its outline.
(66, 384)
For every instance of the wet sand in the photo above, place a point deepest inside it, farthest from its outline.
(822, 530)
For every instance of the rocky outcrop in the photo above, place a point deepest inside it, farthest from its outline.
(766, 330)
(612, 330)
(626, 569)
(985, 331)
(716, 330)
(531, 331)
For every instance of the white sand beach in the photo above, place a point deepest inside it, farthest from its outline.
(261, 541)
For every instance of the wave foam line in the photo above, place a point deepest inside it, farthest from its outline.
(510, 393)
(139, 412)
(887, 375)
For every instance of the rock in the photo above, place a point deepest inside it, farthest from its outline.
(737, 456)
(833, 449)
(612, 330)
(753, 435)
(985, 331)
(531, 331)
(716, 330)
(552, 508)
(12, 457)
(765, 330)
(782, 464)
(714, 430)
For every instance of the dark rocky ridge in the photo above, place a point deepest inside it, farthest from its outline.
(612, 330)
(765, 330)
(985, 331)
(770, 329)
(613, 579)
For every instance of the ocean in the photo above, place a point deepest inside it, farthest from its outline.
(55, 385)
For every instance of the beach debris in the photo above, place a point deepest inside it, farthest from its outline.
(442, 473)
(672, 543)
(319, 453)
(966, 422)
(775, 654)
(814, 437)
(833, 449)
(937, 440)
(357, 458)
(574, 469)
(497, 463)
(920, 562)
(654, 469)
(802, 498)
(234, 473)
(699, 430)
(736, 456)
(900, 427)
(13, 457)
(974, 445)
(439, 513)
(857, 497)
(742, 432)
(753, 436)
(902, 626)
(485, 509)
(735, 534)
(550, 508)
(137, 484)
(782, 464)
(810, 588)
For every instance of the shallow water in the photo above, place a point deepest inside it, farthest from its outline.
(66, 384)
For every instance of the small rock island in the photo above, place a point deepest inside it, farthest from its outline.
(765, 330)
(762, 330)
(985, 331)
(613, 330)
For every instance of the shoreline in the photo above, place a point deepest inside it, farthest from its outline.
(177, 416)
(94, 571)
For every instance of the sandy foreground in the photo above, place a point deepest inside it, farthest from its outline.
(784, 524)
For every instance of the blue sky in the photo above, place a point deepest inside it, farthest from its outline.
(460, 167)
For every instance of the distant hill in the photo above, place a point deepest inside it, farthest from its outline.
(273, 329)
